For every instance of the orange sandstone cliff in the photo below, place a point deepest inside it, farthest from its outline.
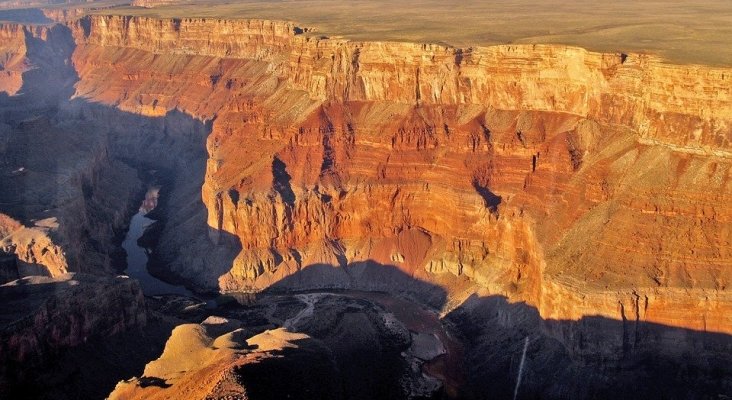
(579, 182)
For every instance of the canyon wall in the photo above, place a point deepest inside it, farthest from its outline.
(41, 317)
(582, 183)
(65, 198)
(13, 48)
(634, 90)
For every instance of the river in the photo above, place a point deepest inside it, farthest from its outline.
(137, 256)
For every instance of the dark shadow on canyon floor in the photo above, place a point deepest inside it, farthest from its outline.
(284, 376)
(365, 275)
(58, 341)
(592, 358)
(365, 354)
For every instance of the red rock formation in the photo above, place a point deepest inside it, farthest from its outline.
(12, 55)
(583, 183)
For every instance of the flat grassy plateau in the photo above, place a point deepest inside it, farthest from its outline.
(682, 32)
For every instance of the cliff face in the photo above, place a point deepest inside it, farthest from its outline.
(12, 64)
(633, 90)
(42, 316)
(33, 60)
(65, 198)
(584, 183)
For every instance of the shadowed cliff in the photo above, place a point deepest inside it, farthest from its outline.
(71, 176)
(77, 165)
(366, 275)
(593, 357)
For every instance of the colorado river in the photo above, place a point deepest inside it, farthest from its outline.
(137, 256)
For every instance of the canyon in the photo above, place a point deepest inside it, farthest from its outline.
(570, 204)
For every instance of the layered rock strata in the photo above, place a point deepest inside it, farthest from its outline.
(40, 317)
(581, 182)
(578, 181)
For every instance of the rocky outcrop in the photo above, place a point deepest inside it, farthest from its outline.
(523, 168)
(199, 364)
(42, 316)
(308, 346)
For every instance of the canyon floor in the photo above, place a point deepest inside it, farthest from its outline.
(365, 200)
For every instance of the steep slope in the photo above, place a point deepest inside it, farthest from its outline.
(42, 317)
(580, 182)
(198, 364)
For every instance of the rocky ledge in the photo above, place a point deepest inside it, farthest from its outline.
(40, 316)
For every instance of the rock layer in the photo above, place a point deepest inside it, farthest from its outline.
(42, 316)
(583, 183)
(578, 181)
